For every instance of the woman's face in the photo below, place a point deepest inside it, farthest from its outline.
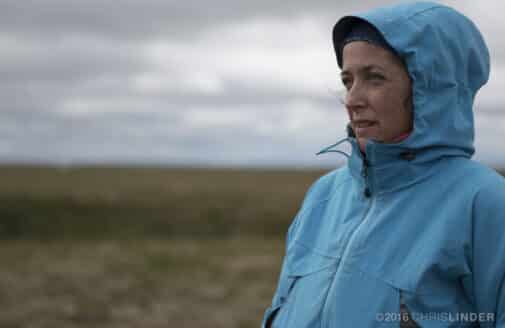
(379, 93)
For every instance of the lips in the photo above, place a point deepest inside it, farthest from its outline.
(363, 123)
(363, 127)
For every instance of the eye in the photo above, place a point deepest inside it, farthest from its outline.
(375, 77)
(346, 82)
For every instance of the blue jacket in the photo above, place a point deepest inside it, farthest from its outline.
(416, 222)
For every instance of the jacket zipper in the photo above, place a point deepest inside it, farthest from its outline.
(371, 201)
(364, 174)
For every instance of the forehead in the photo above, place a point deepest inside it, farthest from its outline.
(358, 54)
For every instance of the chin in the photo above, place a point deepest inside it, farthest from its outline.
(362, 143)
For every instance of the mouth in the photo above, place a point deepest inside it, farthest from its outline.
(363, 124)
(361, 127)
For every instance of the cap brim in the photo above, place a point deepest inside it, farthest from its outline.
(340, 31)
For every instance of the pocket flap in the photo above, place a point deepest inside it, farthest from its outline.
(302, 260)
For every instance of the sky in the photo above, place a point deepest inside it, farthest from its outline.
(200, 83)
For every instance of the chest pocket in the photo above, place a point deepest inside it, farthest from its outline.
(303, 291)
(428, 282)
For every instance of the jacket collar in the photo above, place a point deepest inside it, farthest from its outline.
(389, 167)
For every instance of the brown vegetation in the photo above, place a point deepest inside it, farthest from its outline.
(122, 247)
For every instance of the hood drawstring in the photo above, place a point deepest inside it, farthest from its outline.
(364, 172)
(350, 134)
(330, 150)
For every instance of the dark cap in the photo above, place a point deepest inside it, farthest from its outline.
(355, 29)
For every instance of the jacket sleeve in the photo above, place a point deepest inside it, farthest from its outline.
(285, 282)
(282, 284)
(489, 253)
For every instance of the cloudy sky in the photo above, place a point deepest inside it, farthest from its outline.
(192, 82)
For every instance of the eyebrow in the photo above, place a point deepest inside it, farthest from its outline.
(366, 68)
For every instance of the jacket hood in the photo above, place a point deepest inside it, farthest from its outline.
(447, 60)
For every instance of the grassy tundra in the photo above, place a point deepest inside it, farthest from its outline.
(132, 247)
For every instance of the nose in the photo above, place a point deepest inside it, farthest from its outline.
(354, 99)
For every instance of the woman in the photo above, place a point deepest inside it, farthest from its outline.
(411, 232)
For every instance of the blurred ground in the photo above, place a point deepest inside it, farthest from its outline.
(123, 247)
(183, 283)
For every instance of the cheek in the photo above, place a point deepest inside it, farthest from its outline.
(382, 105)
(389, 111)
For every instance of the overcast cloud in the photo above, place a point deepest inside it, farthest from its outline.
(192, 82)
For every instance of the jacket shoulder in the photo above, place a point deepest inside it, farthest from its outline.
(481, 176)
(320, 191)
(489, 191)
(324, 186)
